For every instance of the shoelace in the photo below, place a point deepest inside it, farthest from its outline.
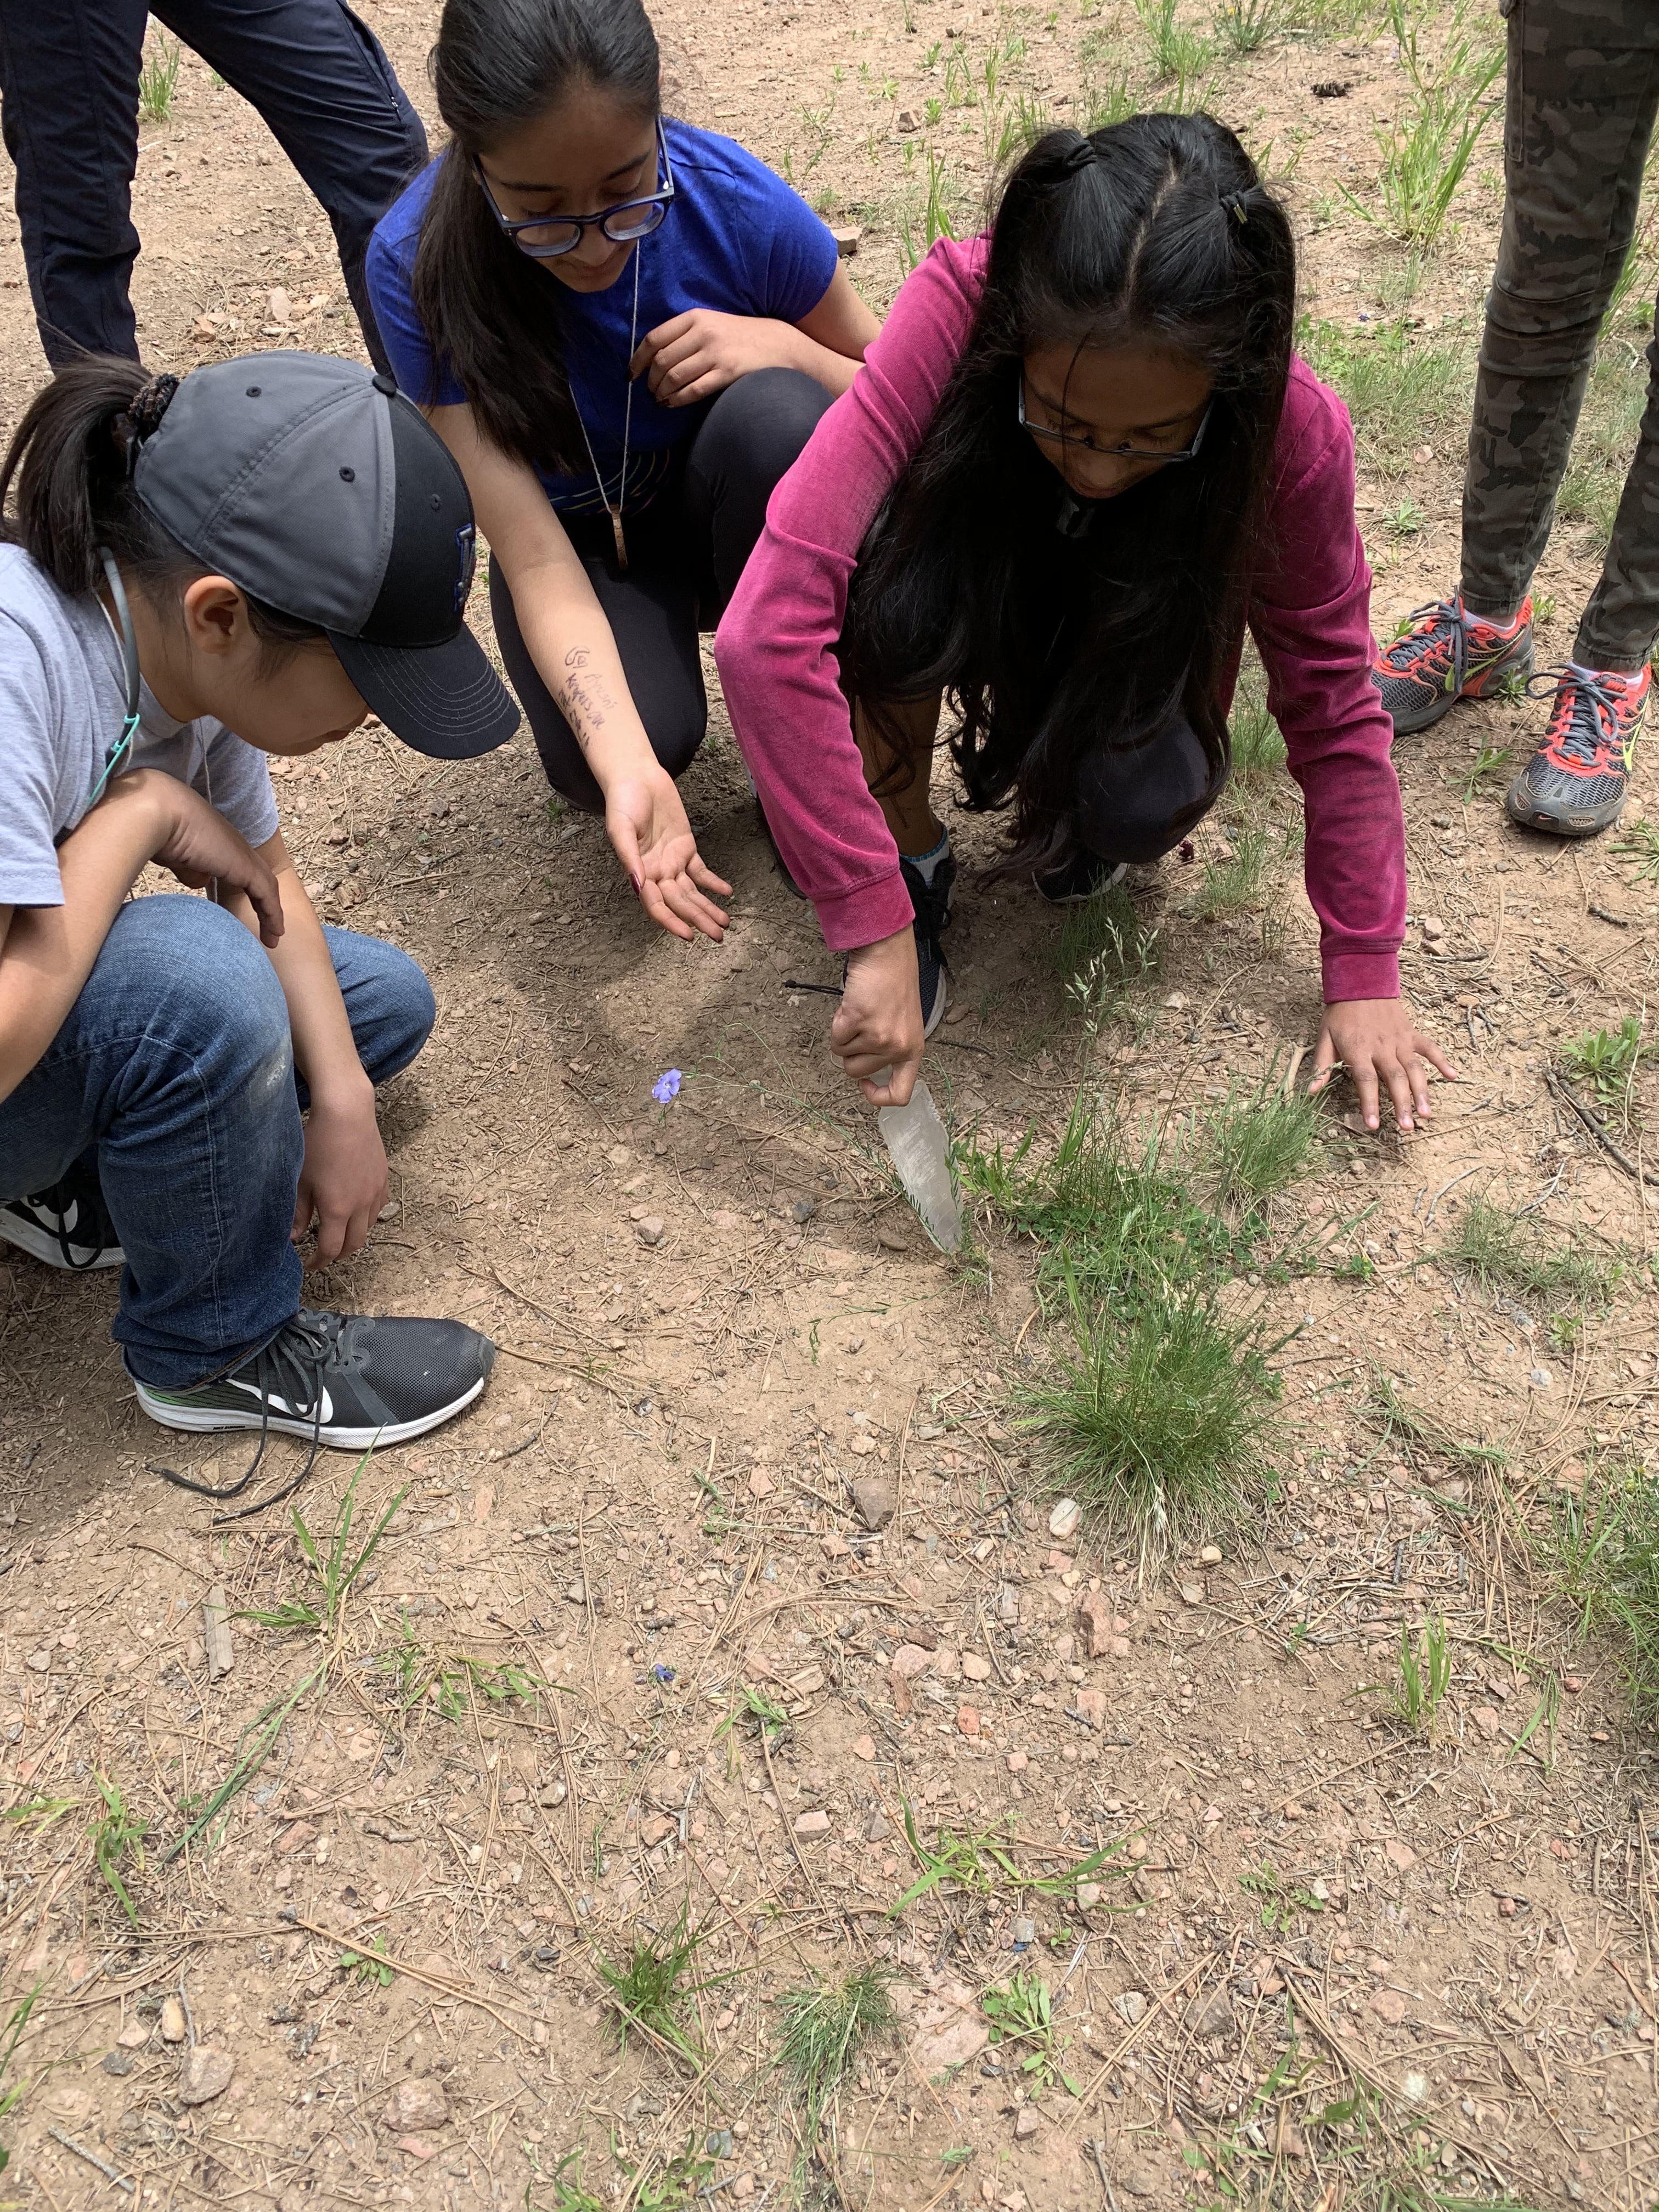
(931, 901)
(1583, 735)
(59, 1201)
(290, 1367)
(1438, 612)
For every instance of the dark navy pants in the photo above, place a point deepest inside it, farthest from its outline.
(68, 104)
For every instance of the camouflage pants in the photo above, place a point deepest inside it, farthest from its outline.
(1583, 90)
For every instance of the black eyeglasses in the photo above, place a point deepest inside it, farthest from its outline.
(543, 238)
(1115, 452)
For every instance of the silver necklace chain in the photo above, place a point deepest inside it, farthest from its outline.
(615, 511)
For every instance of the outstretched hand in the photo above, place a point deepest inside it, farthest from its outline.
(1375, 1041)
(651, 837)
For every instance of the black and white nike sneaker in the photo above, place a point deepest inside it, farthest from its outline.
(349, 1380)
(931, 905)
(1083, 876)
(67, 1226)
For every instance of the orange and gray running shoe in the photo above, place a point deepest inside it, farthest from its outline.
(1440, 655)
(1575, 784)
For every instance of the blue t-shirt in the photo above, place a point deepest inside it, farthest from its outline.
(736, 239)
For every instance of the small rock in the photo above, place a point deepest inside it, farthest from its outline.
(172, 2019)
(419, 2102)
(555, 1794)
(1209, 1556)
(761, 1483)
(134, 2037)
(282, 308)
(1486, 1719)
(873, 1497)
(890, 1237)
(649, 1232)
(1063, 1521)
(118, 2062)
(1388, 2005)
(657, 1829)
(1088, 1893)
(293, 1838)
(978, 1669)
(804, 1208)
(908, 1662)
(1210, 2014)
(1094, 1618)
(1026, 2124)
(1192, 1593)
(1399, 1856)
(1541, 1379)
(1018, 1762)
(1090, 1708)
(865, 1749)
(1008, 1605)
(906, 121)
(968, 1720)
(877, 1827)
(1023, 1932)
(1131, 2004)
(204, 2075)
(1433, 925)
(812, 1823)
(863, 1445)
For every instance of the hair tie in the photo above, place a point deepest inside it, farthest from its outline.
(1078, 158)
(1235, 205)
(148, 405)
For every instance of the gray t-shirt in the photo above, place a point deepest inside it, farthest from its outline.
(62, 699)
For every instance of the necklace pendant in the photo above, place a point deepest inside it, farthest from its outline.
(622, 542)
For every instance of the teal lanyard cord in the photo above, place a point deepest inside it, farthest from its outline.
(121, 746)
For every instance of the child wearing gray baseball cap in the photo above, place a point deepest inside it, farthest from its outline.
(195, 575)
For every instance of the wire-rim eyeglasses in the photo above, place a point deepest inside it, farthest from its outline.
(544, 237)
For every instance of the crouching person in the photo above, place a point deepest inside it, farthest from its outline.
(196, 575)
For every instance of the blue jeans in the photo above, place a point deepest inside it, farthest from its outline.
(69, 103)
(174, 1072)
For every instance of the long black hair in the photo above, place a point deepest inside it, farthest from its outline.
(1154, 231)
(491, 314)
(70, 461)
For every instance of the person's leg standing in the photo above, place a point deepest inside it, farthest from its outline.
(1583, 88)
(652, 614)
(68, 104)
(319, 77)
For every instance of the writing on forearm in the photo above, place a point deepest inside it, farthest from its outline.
(586, 699)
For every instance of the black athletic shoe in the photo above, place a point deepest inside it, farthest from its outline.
(1083, 876)
(346, 1381)
(67, 1226)
(931, 903)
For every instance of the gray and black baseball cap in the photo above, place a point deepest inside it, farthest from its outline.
(314, 484)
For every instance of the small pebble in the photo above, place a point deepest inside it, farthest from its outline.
(1063, 1521)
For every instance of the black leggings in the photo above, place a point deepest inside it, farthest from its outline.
(1135, 802)
(685, 553)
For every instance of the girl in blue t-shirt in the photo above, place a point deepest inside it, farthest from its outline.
(625, 330)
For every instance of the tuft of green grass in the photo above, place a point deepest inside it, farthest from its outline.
(980, 1860)
(368, 1965)
(1400, 388)
(1640, 842)
(763, 1714)
(1425, 1676)
(1257, 743)
(825, 2029)
(1503, 1253)
(1246, 26)
(335, 1568)
(1104, 953)
(1426, 152)
(1489, 762)
(1608, 422)
(1155, 1423)
(1604, 1554)
(1608, 1059)
(568, 2194)
(1236, 882)
(114, 1836)
(10, 2036)
(1179, 55)
(1281, 1896)
(1255, 1142)
(158, 82)
(1021, 2014)
(1405, 518)
(650, 1988)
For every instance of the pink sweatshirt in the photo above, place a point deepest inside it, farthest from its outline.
(1309, 615)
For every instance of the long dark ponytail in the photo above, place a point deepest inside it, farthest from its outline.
(1156, 231)
(491, 314)
(70, 461)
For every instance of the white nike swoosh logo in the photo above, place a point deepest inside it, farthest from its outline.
(281, 1405)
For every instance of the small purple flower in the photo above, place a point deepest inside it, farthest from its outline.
(666, 1086)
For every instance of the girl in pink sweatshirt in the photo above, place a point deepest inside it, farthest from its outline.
(1080, 459)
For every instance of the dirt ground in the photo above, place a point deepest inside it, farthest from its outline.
(373, 1977)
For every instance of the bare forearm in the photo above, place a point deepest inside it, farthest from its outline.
(49, 951)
